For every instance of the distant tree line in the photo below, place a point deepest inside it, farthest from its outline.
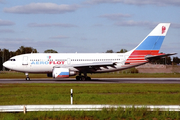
(168, 61)
(5, 54)
(121, 51)
(50, 51)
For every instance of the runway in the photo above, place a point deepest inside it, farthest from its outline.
(96, 80)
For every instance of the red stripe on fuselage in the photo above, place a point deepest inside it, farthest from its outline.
(144, 52)
(135, 59)
(139, 55)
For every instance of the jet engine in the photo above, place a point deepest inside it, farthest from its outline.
(62, 73)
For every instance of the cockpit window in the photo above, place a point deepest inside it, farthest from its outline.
(12, 59)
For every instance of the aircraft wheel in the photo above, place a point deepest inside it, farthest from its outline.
(78, 78)
(27, 78)
(83, 78)
(88, 78)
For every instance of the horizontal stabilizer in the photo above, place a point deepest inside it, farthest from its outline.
(151, 58)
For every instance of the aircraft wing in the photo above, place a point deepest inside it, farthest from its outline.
(151, 58)
(93, 65)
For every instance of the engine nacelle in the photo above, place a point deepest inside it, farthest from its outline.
(62, 73)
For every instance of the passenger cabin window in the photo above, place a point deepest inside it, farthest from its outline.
(12, 59)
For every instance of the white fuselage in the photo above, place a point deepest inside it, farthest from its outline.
(45, 62)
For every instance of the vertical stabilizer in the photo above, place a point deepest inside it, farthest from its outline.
(150, 45)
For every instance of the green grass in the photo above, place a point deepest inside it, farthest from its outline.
(120, 114)
(9, 75)
(140, 94)
(129, 94)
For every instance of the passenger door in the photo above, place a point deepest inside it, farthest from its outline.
(25, 60)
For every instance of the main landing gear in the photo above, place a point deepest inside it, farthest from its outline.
(83, 78)
(27, 76)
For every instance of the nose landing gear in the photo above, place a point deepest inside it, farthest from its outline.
(27, 76)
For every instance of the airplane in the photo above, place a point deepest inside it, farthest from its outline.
(63, 65)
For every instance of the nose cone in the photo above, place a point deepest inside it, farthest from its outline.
(6, 65)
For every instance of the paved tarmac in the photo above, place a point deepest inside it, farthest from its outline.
(96, 80)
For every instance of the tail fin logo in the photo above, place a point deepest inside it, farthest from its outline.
(163, 29)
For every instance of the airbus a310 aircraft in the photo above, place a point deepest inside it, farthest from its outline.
(63, 65)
